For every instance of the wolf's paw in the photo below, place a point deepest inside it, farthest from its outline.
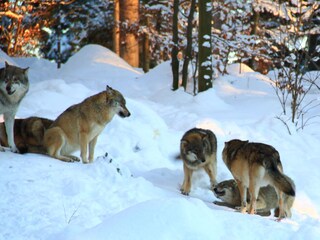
(184, 192)
(75, 159)
(14, 149)
(2, 149)
(71, 158)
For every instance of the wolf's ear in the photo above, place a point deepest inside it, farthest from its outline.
(183, 143)
(206, 142)
(26, 70)
(109, 89)
(6, 64)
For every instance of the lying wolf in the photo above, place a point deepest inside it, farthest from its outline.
(28, 134)
(254, 165)
(79, 126)
(198, 149)
(14, 85)
(228, 192)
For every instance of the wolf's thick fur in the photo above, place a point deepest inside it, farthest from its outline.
(14, 85)
(28, 134)
(198, 149)
(79, 126)
(254, 165)
(228, 192)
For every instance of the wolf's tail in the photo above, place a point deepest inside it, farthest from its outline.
(282, 182)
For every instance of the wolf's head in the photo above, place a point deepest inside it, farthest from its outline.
(117, 102)
(194, 148)
(13, 78)
(227, 191)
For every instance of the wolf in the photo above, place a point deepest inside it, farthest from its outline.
(254, 165)
(14, 85)
(28, 134)
(79, 126)
(198, 149)
(228, 192)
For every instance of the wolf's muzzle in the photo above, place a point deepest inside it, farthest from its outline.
(9, 90)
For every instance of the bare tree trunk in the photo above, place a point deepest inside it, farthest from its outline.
(255, 24)
(188, 52)
(130, 15)
(205, 53)
(146, 49)
(175, 50)
(116, 28)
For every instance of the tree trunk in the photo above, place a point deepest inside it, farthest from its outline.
(188, 51)
(146, 52)
(175, 50)
(130, 15)
(254, 28)
(205, 55)
(314, 42)
(116, 28)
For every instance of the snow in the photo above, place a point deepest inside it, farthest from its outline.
(133, 192)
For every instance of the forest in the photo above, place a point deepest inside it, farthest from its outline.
(244, 69)
(200, 37)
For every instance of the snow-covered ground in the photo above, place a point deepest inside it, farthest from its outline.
(133, 192)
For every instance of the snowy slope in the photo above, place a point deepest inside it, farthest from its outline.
(133, 192)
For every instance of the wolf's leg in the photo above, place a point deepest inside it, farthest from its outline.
(84, 146)
(211, 170)
(186, 186)
(281, 213)
(243, 196)
(9, 123)
(54, 140)
(92, 145)
(257, 173)
(254, 191)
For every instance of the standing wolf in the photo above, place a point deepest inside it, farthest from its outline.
(228, 192)
(14, 85)
(198, 149)
(79, 126)
(254, 165)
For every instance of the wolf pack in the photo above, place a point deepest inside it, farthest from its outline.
(259, 184)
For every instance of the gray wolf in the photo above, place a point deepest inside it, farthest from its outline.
(198, 149)
(28, 134)
(254, 165)
(14, 85)
(79, 126)
(228, 192)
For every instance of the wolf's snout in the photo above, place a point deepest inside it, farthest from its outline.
(9, 90)
(124, 114)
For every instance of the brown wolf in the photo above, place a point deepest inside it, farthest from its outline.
(228, 192)
(254, 165)
(198, 149)
(14, 85)
(79, 126)
(28, 134)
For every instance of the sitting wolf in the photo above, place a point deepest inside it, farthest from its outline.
(79, 126)
(14, 85)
